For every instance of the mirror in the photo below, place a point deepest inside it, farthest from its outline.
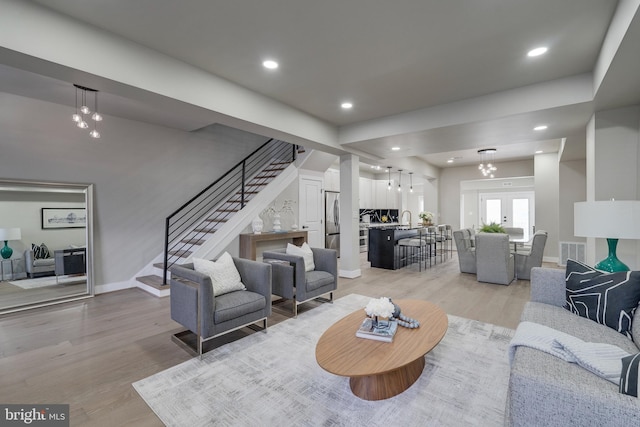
(46, 243)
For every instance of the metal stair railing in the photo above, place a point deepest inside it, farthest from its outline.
(233, 189)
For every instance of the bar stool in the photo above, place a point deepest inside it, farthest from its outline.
(441, 238)
(404, 246)
(432, 239)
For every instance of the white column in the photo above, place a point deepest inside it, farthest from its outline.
(349, 264)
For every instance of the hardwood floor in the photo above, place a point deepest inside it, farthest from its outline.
(87, 353)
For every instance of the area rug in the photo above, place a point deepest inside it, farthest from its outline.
(273, 379)
(41, 282)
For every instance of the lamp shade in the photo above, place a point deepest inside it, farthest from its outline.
(611, 219)
(10, 234)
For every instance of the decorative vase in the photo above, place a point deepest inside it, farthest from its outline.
(257, 225)
(294, 227)
(276, 223)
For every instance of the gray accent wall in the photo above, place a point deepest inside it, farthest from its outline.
(141, 172)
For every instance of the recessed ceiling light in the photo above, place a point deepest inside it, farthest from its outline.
(537, 51)
(539, 152)
(395, 148)
(541, 127)
(270, 64)
(346, 105)
(450, 161)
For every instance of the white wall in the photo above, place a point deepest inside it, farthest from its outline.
(547, 190)
(572, 189)
(141, 173)
(616, 156)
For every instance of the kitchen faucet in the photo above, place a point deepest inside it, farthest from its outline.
(402, 214)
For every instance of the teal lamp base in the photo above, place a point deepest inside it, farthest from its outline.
(611, 263)
(6, 251)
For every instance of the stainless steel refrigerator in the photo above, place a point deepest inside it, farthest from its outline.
(332, 220)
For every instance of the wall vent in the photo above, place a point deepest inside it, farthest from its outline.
(572, 250)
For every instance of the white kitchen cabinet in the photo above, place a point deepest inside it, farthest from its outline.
(366, 193)
(384, 198)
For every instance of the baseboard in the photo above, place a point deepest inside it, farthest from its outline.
(112, 287)
(350, 274)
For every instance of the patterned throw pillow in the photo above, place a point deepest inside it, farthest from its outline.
(223, 272)
(610, 299)
(40, 252)
(630, 375)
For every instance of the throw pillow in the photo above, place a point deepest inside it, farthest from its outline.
(223, 272)
(610, 299)
(630, 375)
(305, 252)
(40, 252)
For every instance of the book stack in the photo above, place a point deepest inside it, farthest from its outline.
(383, 332)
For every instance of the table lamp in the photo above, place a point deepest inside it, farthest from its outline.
(7, 234)
(611, 220)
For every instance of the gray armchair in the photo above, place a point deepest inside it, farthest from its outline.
(294, 283)
(194, 306)
(494, 261)
(526, 261)
(38, 266)
(466, 251)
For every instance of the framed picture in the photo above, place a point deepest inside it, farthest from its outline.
(64, 218)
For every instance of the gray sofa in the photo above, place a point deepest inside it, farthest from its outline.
(547, 391)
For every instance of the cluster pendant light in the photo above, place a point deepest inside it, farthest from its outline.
(410, 182)
(389, 184)
(79, 116)
(399, 179)
(486, 165)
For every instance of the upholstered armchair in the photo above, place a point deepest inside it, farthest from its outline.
(195, 307)
(526, 261)
(494, 260)
(294, 283)
(466, 251)
(38, 266)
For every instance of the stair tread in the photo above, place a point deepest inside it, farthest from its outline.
(180, 254)
(205, 230)
(153, 281)
(193, 241)
(216, 220)
(159, 265)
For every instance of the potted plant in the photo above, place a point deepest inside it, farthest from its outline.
(426, 217)
(492, 227)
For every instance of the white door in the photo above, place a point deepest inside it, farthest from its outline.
(311, 209)
(509, 210)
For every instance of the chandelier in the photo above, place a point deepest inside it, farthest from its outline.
(486, 165)
(79, 116)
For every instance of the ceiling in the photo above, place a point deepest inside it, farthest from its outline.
(388, 58)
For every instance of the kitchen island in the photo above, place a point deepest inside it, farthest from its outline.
(383, 245)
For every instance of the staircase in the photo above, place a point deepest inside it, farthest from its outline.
(222, 210)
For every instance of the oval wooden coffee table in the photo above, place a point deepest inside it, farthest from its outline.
(380, 370)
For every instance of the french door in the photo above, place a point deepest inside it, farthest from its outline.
(509, 210)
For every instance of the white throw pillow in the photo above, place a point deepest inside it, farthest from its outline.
(305, 252)
(224, 275)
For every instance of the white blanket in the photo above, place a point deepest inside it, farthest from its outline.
(603, 360)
